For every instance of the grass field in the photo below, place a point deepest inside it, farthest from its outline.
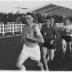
(10, 48)
(9, 51)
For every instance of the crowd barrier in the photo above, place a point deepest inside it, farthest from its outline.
(11, 28)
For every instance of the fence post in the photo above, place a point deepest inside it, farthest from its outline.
(3, 29)
(13, 28)
(21, 28)
(10, 27)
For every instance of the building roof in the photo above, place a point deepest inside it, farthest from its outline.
(52, 9)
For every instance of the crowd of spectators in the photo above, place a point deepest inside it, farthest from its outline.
(39, 18)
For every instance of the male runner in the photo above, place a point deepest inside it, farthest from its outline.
(48, 46)
(31, 37)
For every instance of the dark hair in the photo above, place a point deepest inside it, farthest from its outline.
(34, 16)
(48, 17)
(28, 13)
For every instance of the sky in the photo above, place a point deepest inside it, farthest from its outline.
(7, 6)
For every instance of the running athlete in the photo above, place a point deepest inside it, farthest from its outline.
(31, 37)
(48, 46)
(68, 35)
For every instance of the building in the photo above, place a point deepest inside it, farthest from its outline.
(52, 9)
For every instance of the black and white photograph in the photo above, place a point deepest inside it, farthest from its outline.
(36, 35)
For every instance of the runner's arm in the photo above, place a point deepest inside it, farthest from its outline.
(23, 34)
(39, 37)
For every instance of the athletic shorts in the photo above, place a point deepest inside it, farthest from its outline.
(33, 52)
(67, 38)
(48, 45)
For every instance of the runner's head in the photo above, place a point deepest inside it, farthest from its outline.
(29, 18)
(66, 21)
(48, 21)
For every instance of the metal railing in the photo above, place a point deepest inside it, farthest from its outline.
(11, 28)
